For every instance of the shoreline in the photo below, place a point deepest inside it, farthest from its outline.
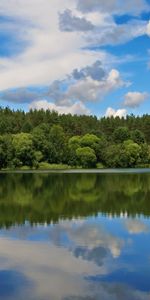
(79, 171)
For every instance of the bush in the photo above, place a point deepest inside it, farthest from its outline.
(100, 166)
(47, 166)
(24, 168)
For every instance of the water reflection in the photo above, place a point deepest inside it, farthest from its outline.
(47, 198)
(74, 237)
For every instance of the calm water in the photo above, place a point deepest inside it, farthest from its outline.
(75, 236)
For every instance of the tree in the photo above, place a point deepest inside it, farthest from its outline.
(23, 147)
(73, 145)
(27, 127)
(111, 156)
(86, 157)
(89, 140)
(40, 137)
(145, 154)
(121, 134)
(133, 152)
(57, 145)
(74, 142)
(98, 144)
(138, 137)
(6, 151)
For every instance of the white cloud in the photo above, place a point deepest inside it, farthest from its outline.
(113, 34)
(94, 236)
(90, 83)
(110, 112)
(51, 272)
(46, 268)
(134, 99)
(77, 108)
(70, 22)
(148, 29)
(135, 226)
(50, 54)
(113, 6)
(38, 67)
(89, 89)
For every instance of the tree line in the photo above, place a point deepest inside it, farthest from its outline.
(45, 139)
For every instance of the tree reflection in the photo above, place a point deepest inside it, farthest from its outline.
(47, 198)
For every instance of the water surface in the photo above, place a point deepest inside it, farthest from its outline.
(75, 236)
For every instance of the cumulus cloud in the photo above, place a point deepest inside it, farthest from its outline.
(134, 99)
(69, 22)
(110, 112)
(88, 89)
(88, 84)
(95, 71)
(68, 95)
(78, 108)
(61, 96)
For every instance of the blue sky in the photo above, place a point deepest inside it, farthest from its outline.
(75, 56)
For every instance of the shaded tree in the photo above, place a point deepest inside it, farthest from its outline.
(121, 134)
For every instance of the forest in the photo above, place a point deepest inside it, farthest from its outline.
(46, 140)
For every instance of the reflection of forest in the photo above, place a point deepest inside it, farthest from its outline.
(49, 197)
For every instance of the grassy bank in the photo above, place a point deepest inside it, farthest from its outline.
(63, 167)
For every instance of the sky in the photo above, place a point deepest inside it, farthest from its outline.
(76, 56)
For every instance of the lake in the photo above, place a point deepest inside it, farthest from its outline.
(81, 236)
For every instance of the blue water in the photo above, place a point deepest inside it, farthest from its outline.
(75, 236)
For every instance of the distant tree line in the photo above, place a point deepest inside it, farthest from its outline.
(38, 139)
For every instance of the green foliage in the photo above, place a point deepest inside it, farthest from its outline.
(6, 151)
(132, 151)
(89, 140)
(111, 156)
(121, 134)
(47, 166)
(74, 142)
(27, 127)
(138, 136)
(86, 157)
(38, 156)
(99, 166)
(23, 149)
(28, 139)
(24, 168)
(57, 145)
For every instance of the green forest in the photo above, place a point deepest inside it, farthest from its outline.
(46, 140)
